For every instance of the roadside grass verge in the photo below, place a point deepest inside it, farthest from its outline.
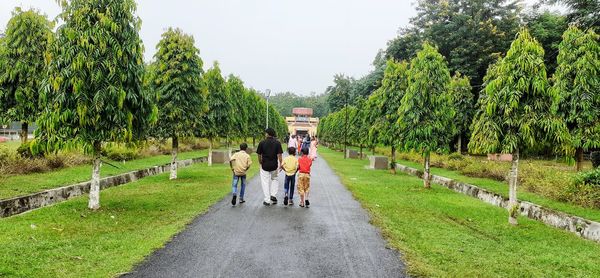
(18, 185)
(502, 189)
(68, 240)
(442, 233)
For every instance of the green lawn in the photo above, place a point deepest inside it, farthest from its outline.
(502, 189)
(18, 185)
(68, 240)
(442, 233)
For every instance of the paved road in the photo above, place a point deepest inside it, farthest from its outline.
(332, 238)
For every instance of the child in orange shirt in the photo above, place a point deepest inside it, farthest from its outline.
(304, 164)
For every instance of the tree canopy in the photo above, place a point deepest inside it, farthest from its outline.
(217, 122)
(577, 83)
(178, 84)
(23, 62)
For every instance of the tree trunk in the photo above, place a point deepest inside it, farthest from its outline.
(426, 172)
(393, 164)
(24, 132)
(459, 143)
(254, 142)
(94, 201)
(175, 149)
(361, 151)
(373, 150)
(210, 145)
(579, 156)
(228, 146)
(345, 151)
(513, 207)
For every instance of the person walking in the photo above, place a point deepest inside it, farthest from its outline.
(304, 165)
(270, 158)
(299, 144)
(293, 142)
(240, 163)
(306, 142)
(290, 166)
(313, 148)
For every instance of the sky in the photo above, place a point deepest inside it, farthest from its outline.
(281, 45)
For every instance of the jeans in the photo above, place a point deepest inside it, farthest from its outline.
(288, 185)
(234, 185)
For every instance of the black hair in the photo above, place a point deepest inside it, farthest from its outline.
(243, 146)
(270, 132)
(305, 151)
(292, 150)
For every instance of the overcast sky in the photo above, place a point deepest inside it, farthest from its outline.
(282, 45)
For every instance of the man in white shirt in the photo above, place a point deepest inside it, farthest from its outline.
(293, 142)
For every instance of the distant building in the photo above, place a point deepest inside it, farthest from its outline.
(302, 122)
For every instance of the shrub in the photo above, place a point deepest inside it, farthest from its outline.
(586, 189)
(456, 156)
(119, 152)
(596, 159)
(24, 151)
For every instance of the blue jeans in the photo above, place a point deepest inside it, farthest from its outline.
(288, 186)
(234, 185)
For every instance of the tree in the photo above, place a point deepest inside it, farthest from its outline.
(239, 116)
(547, 28)
(426, 113)
(387, 102)
(361, 125)
(339, 93)
(177, 81)
(256, 115)
(93, 93)
(216, 123)
(517, 109)
(584, 13)
(577, 82)
(471, 34)
(28, 35)
(462, 101)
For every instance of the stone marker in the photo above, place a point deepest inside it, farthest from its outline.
(378, 162)
(220, 156)
(351, 153)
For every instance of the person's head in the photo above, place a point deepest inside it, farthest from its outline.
(243, 146)
(270, 132)
(305, 151)
(293, 136)
(291, 151)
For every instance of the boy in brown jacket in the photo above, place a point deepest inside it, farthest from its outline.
(240, 163)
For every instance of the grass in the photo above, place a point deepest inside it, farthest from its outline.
(18, 185)
(502, 189)
(442, 233)
(68, 240)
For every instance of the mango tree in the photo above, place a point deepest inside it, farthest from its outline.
(177, 82)
(517, 109)
(24, 61)
(426, 113)
(462, 101)
(577, 83)
(93, 93)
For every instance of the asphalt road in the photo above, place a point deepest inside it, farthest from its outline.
(332, 238)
